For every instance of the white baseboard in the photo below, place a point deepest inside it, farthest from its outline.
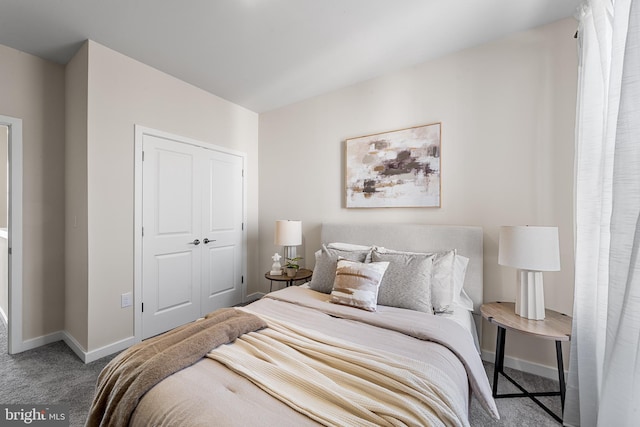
(74, 345)
(93, 355)
(32, 343)
(109, 349)
(545, 371)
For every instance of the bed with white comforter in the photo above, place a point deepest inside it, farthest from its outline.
(313, 361)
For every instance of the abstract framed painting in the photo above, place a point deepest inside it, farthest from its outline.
(399, 168)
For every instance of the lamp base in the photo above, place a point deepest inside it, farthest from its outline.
(530, 295)
(289, 253)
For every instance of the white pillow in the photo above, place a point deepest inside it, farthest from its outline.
(348, 247)
(442, 281)
(460, 297)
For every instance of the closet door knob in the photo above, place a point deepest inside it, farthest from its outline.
(196, 242)
(207, 241)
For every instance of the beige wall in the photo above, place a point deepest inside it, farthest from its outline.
(33, 90)
(122, 93)
(76, 259)
(507, 111)
(107, 94)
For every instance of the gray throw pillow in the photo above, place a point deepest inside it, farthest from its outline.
(407, 281)
(324, 272)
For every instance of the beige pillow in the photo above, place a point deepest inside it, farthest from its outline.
(356, 284)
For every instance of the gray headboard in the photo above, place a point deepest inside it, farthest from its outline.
(467, 240)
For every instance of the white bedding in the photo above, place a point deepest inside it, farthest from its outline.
(460, 315)
(424, 327)
(209, 391)
(338, 383)
(464, 318)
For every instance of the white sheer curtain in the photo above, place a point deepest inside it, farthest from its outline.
(603, 387)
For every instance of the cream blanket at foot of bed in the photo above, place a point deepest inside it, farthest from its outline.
(338, 383)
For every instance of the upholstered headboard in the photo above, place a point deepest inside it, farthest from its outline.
(467, 240)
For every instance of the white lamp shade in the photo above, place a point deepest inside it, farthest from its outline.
(529, 248)
(288, 233)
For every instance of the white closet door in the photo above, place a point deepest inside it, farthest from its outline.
(222, 231)
(192, 246)
(172, 222)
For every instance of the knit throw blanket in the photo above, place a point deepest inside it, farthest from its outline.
(337, 383)
(135, 371)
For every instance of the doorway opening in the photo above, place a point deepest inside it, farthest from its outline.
(11, 191)
(4, 224)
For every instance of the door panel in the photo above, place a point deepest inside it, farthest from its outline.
(171, 266)
(174, 279)
(222, 220)
(175, 192)
(223, 194)
(221, 266)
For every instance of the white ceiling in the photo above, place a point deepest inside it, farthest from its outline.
(263, 54)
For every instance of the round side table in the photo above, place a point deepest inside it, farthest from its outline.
(301, 274)
(555, 327)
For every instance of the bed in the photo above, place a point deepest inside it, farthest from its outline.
(328, 352)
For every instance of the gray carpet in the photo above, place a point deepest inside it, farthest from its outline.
(53, 374)
(521, 412)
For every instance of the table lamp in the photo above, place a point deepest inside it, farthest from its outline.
(532, 250)
(288, 234)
